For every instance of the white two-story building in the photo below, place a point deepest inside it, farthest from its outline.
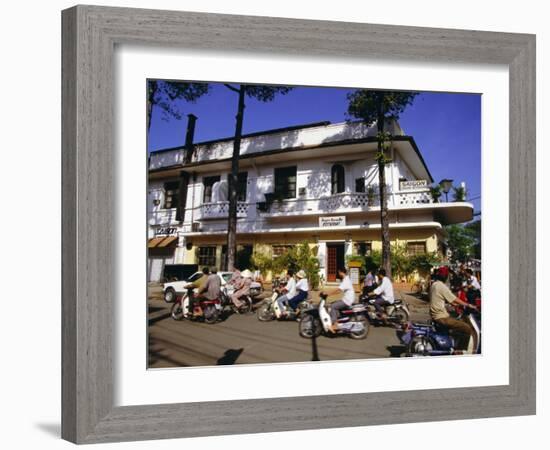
(316, 183)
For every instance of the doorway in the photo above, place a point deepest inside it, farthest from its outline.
(335, 259)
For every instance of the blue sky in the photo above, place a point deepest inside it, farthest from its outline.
(445, 126)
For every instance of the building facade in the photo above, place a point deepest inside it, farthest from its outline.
(316, 183)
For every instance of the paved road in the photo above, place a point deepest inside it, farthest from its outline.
(243, 339)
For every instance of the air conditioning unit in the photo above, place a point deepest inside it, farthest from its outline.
(196, 227)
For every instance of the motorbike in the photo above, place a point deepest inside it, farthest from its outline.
(397, 312)
(270, 310)
(228, 305)
(431, 339)
(211, 309)
(352, 322)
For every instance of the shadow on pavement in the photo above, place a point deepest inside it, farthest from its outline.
(229, 357)
(396, 351)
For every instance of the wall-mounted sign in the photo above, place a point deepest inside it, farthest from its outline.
(168, 231)
(333, 221)
(413, 184)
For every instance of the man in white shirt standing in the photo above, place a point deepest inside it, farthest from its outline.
(384, 294)
(348, 298)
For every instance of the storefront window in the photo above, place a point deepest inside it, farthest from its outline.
(416, 248)
(207, 256)
(278, 250)
(363, 248)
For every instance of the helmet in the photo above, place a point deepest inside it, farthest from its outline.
(301, 274)
(246, 274)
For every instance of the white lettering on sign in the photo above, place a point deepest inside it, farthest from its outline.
(334, 221)
(170, 231)
(413, 184)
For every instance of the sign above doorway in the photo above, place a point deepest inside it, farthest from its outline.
(332, 221)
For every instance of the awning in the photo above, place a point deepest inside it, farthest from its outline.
(155, 241)
(167, 241)
(162, 241)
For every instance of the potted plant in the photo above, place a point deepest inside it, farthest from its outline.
(435, 192)
(459, 194)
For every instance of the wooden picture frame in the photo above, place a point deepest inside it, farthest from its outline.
(89, 37)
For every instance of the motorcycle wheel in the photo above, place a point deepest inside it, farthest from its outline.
(265, 313)
(310, 327)
(246, 307)
(177, 311)
(400, 316)
(420, 346)
(361, 334)
(211, 314)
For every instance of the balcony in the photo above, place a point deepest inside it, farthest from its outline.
(220, 210)
(163, 217)
(358, 202)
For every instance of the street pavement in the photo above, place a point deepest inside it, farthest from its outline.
(243, 339)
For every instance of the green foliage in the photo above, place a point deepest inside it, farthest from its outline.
(365, 104)
(461, 241)
(262, 262)
(474, 228)
(435, 192)
(266, 93)
(403, 264)
(459, 194)
(300, 257)
(163, 95)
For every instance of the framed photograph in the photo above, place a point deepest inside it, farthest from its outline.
(268, 230)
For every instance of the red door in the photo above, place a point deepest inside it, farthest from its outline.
(335, 259)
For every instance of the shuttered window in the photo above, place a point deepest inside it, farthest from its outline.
(416, 248)
(285, 182)
(171, 194)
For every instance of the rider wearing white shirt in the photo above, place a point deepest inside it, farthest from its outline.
(384, 294)
(346, 287)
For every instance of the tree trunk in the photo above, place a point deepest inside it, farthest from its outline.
(233, 176)
(384, 219)
(151, 91)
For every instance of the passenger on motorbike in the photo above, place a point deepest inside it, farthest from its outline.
(302, 290)
(472, 286)
(242, 288)
(198, 284)
(370, 282)
(288, 291)
(384, 294)
(440, 296)
(348, 298)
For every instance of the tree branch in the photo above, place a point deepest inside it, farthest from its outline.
(228, 86)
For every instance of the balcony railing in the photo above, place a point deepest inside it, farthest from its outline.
(220, 210)
(163, 217)
(348, 202)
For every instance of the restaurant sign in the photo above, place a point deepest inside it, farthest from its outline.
(413, 184)
(332, 221)
(166, 231)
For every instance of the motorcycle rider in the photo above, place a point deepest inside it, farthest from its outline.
(197, 284)
(384, 294)
(440, 296)
(211, 289)
(348, 298)
(289, 290)
(302, 289)
(242, 287)
(472, 286)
